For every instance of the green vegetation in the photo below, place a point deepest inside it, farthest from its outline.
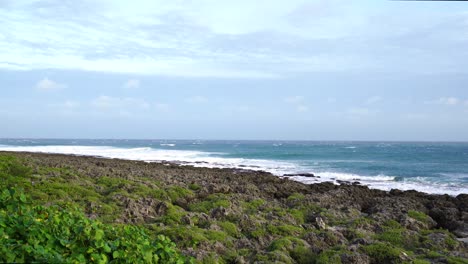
(420, 216)
(99, 213)
(211, 202)
(329, 257)
(383, 252)
(56, 234)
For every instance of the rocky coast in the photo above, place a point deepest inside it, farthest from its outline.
(241, 216)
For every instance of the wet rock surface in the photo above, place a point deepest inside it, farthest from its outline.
(252, 216)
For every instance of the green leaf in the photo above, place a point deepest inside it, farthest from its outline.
(99, 234)
(116, 254)
(107, 249)
(23, 198)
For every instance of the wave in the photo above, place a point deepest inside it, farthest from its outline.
(278, 168)
(167, 145)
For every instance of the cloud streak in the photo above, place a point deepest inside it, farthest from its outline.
(242, 39)
(47, 85)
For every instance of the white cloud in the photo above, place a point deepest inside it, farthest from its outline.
(358, 112)
(162, 107)
(242, 108)
(294, 99)
(68, 104)
(445, 101)
(132, 84)
(298, 103)
(198, 99)
(71, 104)
(49, 85)
(302, 108)
(108, 102)
(416, 116)
(238, 39)
(374, 100)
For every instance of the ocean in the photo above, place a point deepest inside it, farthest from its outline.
(431, 167)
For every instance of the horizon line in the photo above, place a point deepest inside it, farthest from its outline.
(251, 140)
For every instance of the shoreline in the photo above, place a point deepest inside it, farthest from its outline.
(305, 177)
(217, 210)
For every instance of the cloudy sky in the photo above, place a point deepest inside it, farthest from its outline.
(211, 69)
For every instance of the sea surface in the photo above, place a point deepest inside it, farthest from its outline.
(430, 167)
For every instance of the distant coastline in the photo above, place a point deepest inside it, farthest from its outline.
(427, 167)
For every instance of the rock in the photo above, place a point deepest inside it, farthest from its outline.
(405, 258)
(187, 220)
(462, 230)
(446, 217)
(360, 241)
(343, 182)
(355, 258)
(311, 175)
(415, 225)
(319, 223)
(219, 213)
(464, 240)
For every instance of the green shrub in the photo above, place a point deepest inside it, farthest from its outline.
(194, 187)
(457, 260)
(329, 257)
(394, 236)
(211, 202)
(383, 253)
(63, 234)
(421, 261)
(392, 224)
(284, 230)
(173, 215)
(252, 207)
(303, 255)
(282, 244)
(229, 228)
(298, 215)
(185, 236)
(11, 166)
(420, 216)
(176, 193)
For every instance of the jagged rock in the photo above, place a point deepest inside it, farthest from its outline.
(341, 205)
(300, 174)
(355, 258)
(219, 213)
(462, 230)
(415, 225)
(446, 217)
(319, 223)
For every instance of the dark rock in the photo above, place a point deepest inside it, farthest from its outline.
(319, 223)
(355, 258)
(343, 182)
(219, 213)
(446, 217)
(311, 175)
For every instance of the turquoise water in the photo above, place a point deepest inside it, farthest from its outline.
(430, 166)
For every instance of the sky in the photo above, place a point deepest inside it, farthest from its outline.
(213, 69)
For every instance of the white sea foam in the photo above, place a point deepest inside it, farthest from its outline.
(167, 145)
(279, 168)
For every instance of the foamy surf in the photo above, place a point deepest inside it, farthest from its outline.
(278, 168)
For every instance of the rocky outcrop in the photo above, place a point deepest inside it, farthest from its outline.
(262, 218)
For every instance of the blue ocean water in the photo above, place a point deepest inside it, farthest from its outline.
(431, 167)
